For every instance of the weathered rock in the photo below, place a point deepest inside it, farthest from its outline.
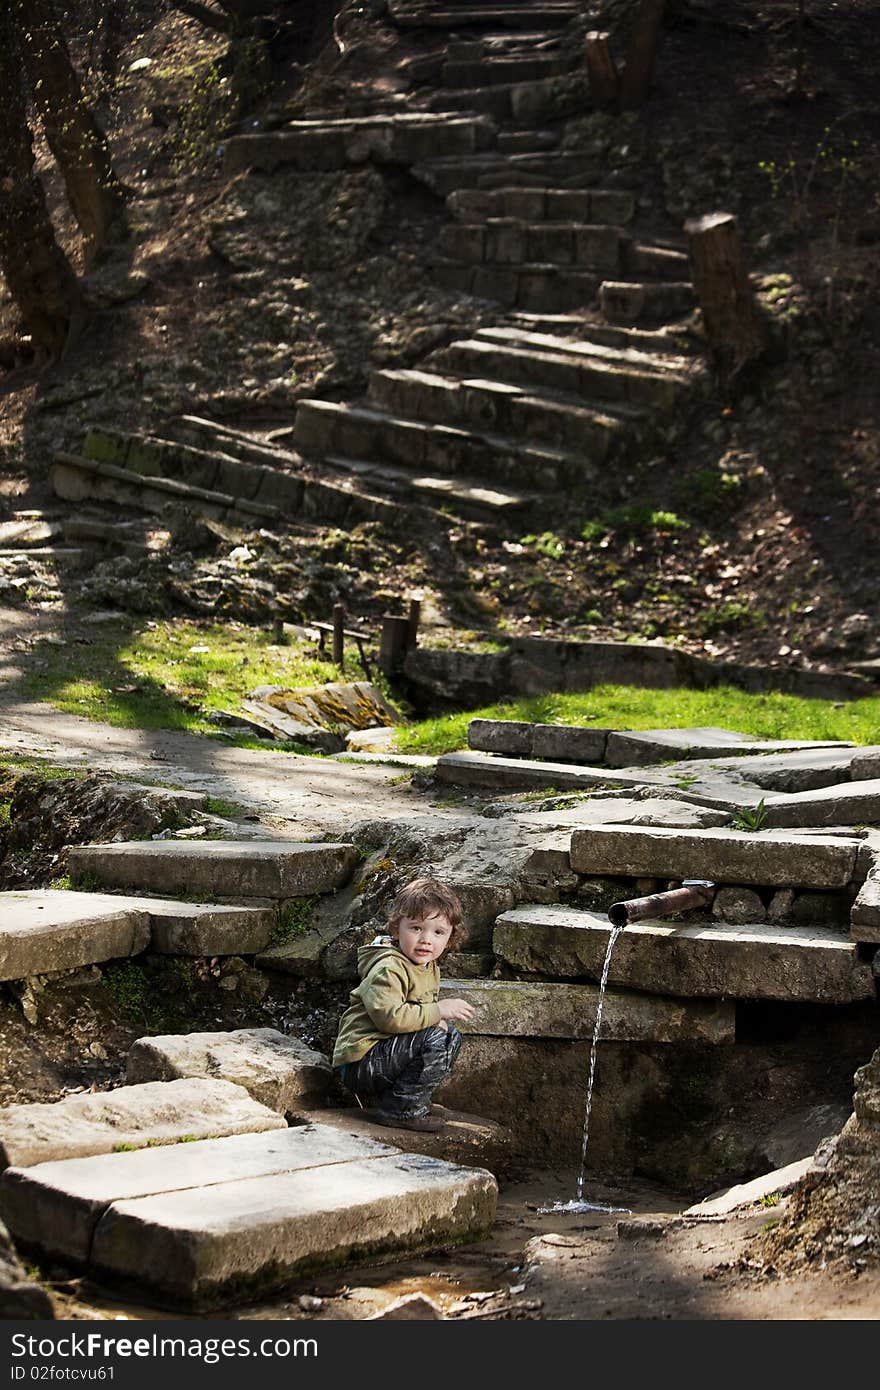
(47, 815)
(225, 868)
(555, 742)
(865, 916)
(44, 930)
(821, 910)
(530, 1009)
(781, 905)
(634, 747)
(781, 1180)
(470, 1140)
(56, 1206)
(845, 803)
(135, 1116)
(278, 1071)
(725, 856)
(742, 962)
(469, 965)
(738, 905)
(801, 1132)
(20, 1298)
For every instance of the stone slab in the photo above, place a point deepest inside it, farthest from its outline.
(865, 915)
(772, 857)
(630, 747)
(470, 1140)
(621, 810)
(204, 929)
(45, 930)
(259, 1233)
(798, 771)
(718, 960)
(278, 1071)
(781, 1180)
(221, 868)
(520, 774)
(554, 742)
(534, 1009)
(158, 1112)
(55, 1206)
(844, 803)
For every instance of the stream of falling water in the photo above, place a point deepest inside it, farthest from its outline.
(578, 1203)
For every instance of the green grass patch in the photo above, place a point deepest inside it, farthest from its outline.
(770, 715)
(292, 920)
(171, 674)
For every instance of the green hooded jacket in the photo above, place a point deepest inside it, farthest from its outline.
(395, 996)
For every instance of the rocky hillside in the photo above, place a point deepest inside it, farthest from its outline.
(742, 529)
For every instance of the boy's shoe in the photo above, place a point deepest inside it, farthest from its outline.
(428, 1124)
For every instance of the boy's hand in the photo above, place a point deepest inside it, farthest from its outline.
(457, 1009)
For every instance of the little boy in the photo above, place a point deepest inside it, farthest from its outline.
(397, 1039)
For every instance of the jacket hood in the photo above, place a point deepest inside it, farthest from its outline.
(375, 950)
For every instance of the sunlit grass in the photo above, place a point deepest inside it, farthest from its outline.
(630, 707)
(170, 675)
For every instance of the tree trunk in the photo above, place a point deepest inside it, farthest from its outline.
(74, 136)
(731, 319)
(641, 55)
(35, 268)
(603, 75)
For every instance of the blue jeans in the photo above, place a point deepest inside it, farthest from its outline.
(400, 1073)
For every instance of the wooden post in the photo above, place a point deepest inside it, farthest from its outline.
(415, 612)
(392, 643)
(641, 54)
(733, 325)
(338, 634)
(601, 71)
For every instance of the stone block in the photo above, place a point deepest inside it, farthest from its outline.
(597, 247)
(523, 204)
(205, 929)
(846, 803)
(468, 1139)
(562, 744)
(552, 244)
(44, 930)
(463, 243)
(257, 1234)
(781, 1180)
(738, 906)
(506, 243)
(810, 964)
(481, 903)
(135, 1116)
(510, 736)
(514, 774)
(56, 1206)
(225, 868)
(865, 915)
(770, 858)
(534, 1009)
(278, 1071)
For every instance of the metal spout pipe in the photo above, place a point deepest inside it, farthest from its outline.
(694, 892)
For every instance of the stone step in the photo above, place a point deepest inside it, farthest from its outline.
(631, 301)
(45, 930)
(276, 1070)
(771, 858)
(548, 14)
(291, 494)
(103, 1122)
(222, 868)
(527, 141)
(576, 369)
(664, 263)
(470, 1140)
(746, 1194)
(470, 498)
(535, 1009)
(542, 288)
(847, 803)
(504, 409)
(214, 1220)
(636, 747)
(661, 341)
(587, 346)
(561, 170)
(795, 964)
(556, 205)
(522, 774)
(342, 431)
(488, 71)
(503, 242)
(528, 103)
(384, 138)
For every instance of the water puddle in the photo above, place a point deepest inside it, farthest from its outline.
(579, 1203)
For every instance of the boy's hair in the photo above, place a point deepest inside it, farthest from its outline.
(422, 897)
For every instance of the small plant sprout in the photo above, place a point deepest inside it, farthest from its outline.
(750, 818)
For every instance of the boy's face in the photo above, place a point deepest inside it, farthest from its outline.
(423, 939)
